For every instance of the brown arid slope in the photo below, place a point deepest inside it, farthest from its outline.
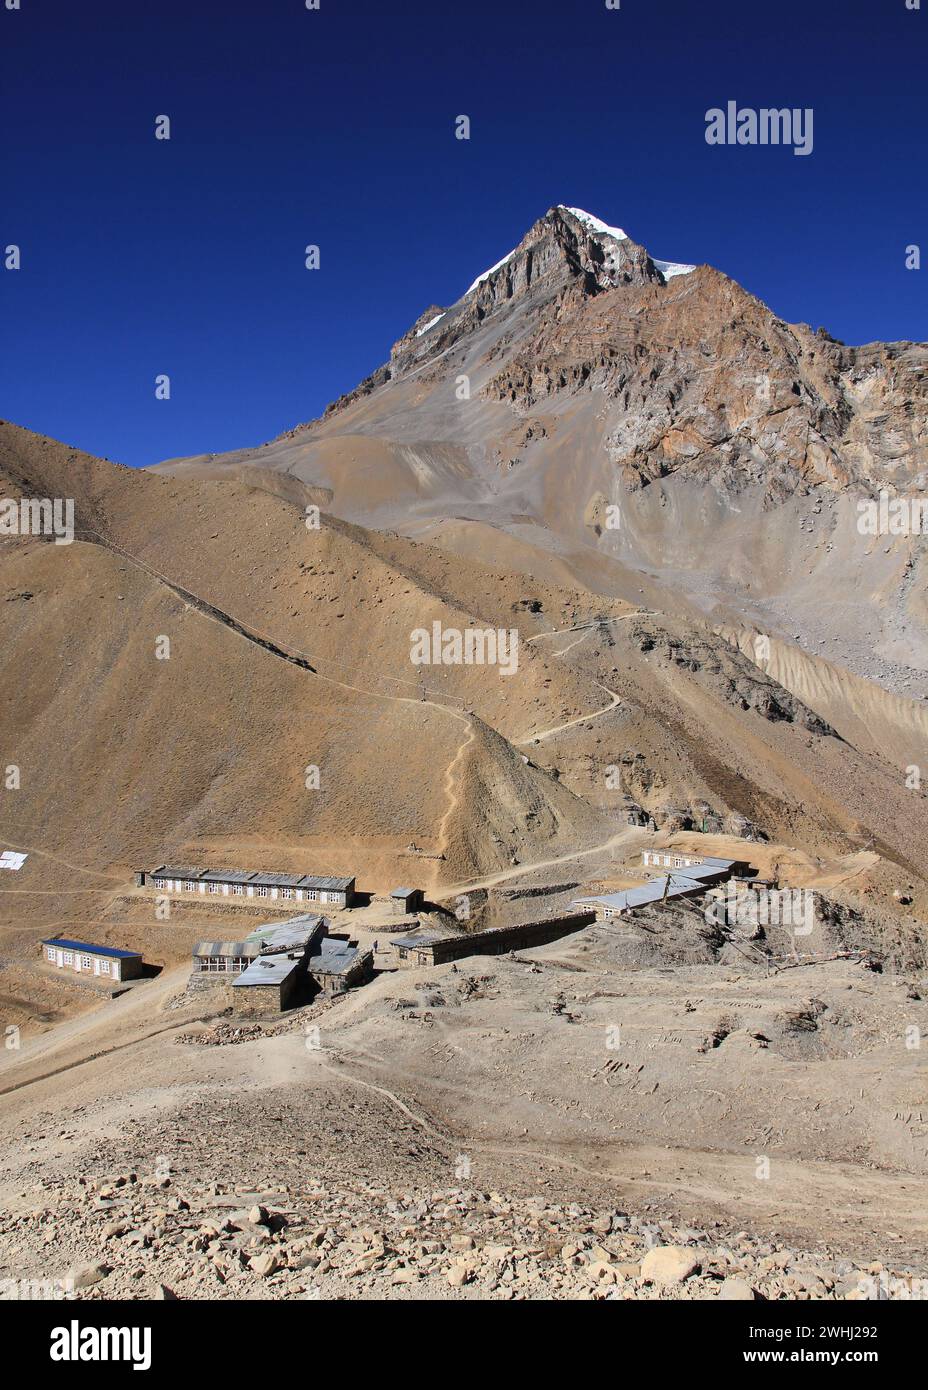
(290, 648)
(650, 479)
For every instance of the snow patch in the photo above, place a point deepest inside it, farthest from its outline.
(594, 224)
(671, 268)
(421, 332)
(492, 271)
(667, 268)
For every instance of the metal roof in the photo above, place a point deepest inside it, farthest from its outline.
(403, 892)
(707, 870)
(88, 947)
(680, 884)
(327, 881)
(225, 948)
(334, 958)
(426, 939)
(287, 935)
(255, 877)
(269, 970)
(690, 879)
(700, 861)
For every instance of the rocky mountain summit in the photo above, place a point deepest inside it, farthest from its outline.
(641, 418)
(695, 373)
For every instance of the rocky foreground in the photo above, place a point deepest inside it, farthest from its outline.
(121, 1238)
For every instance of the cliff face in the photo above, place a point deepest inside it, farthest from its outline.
(689, 371)
(643, 423)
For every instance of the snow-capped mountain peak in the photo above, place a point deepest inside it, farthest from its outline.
(594, 224)
(608, 237)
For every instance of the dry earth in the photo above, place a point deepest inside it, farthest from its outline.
(734, 656)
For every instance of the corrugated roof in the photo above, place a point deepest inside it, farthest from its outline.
(425, 939)
(326, 881)
(225, 948)
(268, 970)
(282, 936)
(680, 884)
(709, 869)
(334, 958)
(402, 892)
(255, 877)
(88, 948)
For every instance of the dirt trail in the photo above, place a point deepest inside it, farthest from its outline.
(75, 868)
(442, 839)
(699, 1180)
(621, 837)
(94, 1034)
(295, 657)
(580, 719)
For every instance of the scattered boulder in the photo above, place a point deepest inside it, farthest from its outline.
(669, 1264)
(88, 1275)
(734, 1289)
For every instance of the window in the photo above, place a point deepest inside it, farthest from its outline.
(50, 953)
(238, 889)
(190, 886)
(104, 967)
(311, 894)
(86, 963)
(215, 887)
(160, 882)
(263, 891)
(69, 957)
(286, 892)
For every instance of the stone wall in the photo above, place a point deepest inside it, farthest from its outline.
(503, 939)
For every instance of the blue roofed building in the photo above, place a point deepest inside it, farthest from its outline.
(107, 963)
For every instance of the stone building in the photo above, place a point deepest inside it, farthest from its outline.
(270, 984)
(339, 965)
(406, 900)
(283, 965)
(432, 949)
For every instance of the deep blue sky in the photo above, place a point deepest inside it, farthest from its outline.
(336, 127)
